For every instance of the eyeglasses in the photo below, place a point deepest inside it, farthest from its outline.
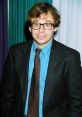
(46, 26)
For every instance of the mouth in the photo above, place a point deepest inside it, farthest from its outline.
(41, 37)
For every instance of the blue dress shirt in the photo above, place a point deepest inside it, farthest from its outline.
(44, 60)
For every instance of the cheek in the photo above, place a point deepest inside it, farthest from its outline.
(34, 33)
(50, 33)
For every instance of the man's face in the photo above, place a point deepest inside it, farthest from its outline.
(43, 34)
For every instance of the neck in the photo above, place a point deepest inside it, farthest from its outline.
(43, 45)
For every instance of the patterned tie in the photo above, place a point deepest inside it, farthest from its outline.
(33, 104)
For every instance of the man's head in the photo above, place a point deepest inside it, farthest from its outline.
(44, 20)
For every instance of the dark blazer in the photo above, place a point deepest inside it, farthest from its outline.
(63, 86)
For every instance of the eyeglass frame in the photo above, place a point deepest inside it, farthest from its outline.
(43, 26)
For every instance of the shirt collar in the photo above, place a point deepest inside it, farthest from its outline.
(45, 50)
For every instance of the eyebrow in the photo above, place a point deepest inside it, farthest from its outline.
(45, 21)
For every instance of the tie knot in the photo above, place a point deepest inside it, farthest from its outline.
(38, 50)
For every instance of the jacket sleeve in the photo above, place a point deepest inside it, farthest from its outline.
(74, 84)
(7, 86)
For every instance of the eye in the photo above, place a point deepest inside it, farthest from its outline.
(47, 24)
(35, 24)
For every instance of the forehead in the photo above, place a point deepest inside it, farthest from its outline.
(45, 17)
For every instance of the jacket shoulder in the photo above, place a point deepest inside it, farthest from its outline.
(65, 50)
(17, 48)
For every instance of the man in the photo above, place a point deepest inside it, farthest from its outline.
(60, 81)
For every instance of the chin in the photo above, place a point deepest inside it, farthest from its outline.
(41, 43)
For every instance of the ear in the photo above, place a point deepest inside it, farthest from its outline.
(30, 29)
(55, 29)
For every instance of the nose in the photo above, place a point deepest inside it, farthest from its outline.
(41, 28)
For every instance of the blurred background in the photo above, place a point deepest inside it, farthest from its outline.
(13, 16)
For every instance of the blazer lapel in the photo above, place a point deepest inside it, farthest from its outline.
(24, 60)
(50, 78)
